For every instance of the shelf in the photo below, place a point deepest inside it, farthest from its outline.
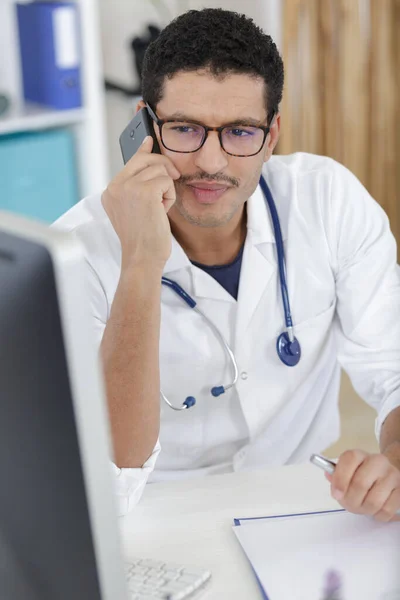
(88, 123)
(31, 117)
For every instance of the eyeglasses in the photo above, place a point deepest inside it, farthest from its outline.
(236, 139)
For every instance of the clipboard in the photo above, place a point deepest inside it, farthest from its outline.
(323, 555)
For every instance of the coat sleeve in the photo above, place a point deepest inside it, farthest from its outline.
(368, 293)
(129, 484)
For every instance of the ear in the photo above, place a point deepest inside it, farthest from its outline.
(273, 136)
(141, 104)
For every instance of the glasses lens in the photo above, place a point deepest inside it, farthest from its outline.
(242, 141)
(182, 137)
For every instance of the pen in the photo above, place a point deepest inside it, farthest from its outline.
(323, 463)
(329, 467)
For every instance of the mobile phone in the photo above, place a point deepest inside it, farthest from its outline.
(323, 463)
(133, 135)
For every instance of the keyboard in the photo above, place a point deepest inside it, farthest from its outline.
(155, 580)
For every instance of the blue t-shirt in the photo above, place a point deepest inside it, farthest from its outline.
(227, 275)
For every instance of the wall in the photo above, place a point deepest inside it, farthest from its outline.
(121, 20)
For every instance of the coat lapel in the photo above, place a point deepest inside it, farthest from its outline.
(256, 274)
(259, 266)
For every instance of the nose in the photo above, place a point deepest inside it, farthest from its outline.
(211, 158)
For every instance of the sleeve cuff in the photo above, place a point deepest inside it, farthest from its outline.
(130, 483)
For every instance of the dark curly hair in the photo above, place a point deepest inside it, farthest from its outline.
(216, 39)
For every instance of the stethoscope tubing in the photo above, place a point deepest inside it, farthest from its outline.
(280, 253)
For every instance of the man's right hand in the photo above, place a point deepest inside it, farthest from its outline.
(137, 202)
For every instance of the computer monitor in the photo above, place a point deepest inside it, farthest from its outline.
(58, 526)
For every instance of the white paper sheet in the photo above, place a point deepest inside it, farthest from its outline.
(327, 556)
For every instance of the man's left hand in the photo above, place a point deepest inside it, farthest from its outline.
(367, 484)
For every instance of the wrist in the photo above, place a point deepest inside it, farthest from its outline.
(148, 266)
(392, 453)
(141, 275)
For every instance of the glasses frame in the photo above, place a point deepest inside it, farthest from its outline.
(160, 122)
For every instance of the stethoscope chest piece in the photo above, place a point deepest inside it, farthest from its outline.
(289, 352)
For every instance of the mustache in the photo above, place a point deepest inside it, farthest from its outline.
(217, 177)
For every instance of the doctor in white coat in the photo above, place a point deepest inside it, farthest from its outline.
(196, 214)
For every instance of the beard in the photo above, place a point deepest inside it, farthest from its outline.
(207, 220)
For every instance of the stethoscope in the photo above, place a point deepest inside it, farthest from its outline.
(287, 346)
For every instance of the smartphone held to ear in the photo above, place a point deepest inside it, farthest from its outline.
(133, 135)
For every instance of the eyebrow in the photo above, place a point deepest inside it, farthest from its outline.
(243, 121)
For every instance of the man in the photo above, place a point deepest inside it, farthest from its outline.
(196, 214)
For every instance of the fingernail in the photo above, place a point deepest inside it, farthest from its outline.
(146, 139)
(337, 494)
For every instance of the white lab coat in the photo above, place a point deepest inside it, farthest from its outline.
(344, 291)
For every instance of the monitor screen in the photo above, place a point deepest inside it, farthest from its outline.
(46, 547)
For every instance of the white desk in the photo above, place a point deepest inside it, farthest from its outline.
(191, 521)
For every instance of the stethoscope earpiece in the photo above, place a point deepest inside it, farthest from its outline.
(217, 391)
(189, 402)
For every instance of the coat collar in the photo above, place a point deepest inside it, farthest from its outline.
(259, 221)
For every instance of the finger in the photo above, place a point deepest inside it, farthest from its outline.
(142, 153)
(168, 204)
(146, 147)
(346, 466)
(144, 162)
(377, 496)
(372, 471)
(388, 510)
(144, 158)
(151, 173)
(164, 186)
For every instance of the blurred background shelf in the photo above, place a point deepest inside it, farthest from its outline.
(29, 117)
(87, 125)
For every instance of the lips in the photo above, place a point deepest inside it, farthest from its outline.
(207, 193)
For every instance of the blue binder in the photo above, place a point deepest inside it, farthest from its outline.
(50, 53)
